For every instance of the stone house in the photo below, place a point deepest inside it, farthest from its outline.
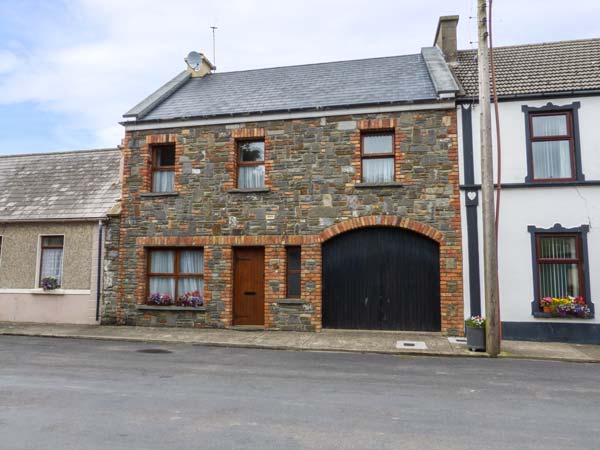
(294, 198)
(57, 214)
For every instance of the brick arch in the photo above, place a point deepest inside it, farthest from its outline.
(382, 221)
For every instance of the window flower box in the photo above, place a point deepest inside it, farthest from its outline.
(49, 283)
(565, 307)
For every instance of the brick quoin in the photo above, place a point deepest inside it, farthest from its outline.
(312, 176)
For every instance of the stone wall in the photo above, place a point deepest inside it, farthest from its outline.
(110, 272)
(313, 191)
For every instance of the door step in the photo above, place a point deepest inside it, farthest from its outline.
(247, 328)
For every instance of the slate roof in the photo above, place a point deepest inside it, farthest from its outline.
(386, 80)
(50, 186)
(551, 67)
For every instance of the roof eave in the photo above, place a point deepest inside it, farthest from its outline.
(288, 110)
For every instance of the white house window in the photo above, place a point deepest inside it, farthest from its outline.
(51, 258)
(251, 164)
(559, 265)
(552, 146)
(377, 151)
(163, 168)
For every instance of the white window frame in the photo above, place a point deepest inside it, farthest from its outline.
(38, 265)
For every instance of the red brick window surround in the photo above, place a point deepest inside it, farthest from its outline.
(293, 271)
(174, 273)
(378, 156)
(163, 168)
(250, 157)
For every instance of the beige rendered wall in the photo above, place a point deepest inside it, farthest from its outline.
(20, 253)
(21, 300)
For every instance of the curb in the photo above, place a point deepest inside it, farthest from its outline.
(503, 355)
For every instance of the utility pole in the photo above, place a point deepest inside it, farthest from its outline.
(490, 251)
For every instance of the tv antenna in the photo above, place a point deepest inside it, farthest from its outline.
(214, 61)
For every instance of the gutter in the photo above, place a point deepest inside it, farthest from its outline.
(572, 93)
(424, 101)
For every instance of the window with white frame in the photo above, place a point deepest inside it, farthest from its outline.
(51, 259)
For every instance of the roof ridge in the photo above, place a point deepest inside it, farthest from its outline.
(66, 152)
(537, 44)
(317, 64)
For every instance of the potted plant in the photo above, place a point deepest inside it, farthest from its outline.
(546, 304)
(191, 299)
(476, 333)
(49, 283)
(158, 299)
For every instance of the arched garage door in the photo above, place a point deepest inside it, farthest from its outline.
(381, 279)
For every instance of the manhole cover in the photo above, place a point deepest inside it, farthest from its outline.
(416, 345)
(154, 350)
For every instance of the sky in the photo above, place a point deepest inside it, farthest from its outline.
(69, 69)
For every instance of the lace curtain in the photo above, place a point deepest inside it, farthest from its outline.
(551, 159)
(52, 263)
(251, 177)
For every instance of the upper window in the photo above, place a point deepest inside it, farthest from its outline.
(377, 157)
(293, 271)
(177, 273)
(251, 164)
(552, 146)
(163, 168)
(51, 259)
(560, 268)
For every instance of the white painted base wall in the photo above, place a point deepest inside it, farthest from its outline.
(48, 308)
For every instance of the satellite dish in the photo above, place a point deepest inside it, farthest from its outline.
(194, 60)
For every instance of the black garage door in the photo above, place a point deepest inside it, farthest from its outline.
(381, 279)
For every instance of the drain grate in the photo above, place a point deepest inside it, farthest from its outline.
(413, 345)
(154, 350)
(457, 340)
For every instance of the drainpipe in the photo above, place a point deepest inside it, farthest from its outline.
(99, 274)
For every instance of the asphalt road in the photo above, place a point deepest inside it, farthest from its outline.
(82, 394)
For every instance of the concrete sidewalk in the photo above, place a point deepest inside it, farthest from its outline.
(432, 344)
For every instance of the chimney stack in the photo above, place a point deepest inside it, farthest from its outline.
(445, 38)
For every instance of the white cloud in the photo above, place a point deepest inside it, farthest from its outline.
(8, 61)
(100, 57)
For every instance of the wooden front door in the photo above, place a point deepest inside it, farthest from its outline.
(248, 286)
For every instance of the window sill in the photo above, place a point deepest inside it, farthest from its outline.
(48, 292)
(40, 291)
(538, 314)
(248, 191)
(158, 194)
(170, 308)
(291, 301)
(543, 315)
(378, 185)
